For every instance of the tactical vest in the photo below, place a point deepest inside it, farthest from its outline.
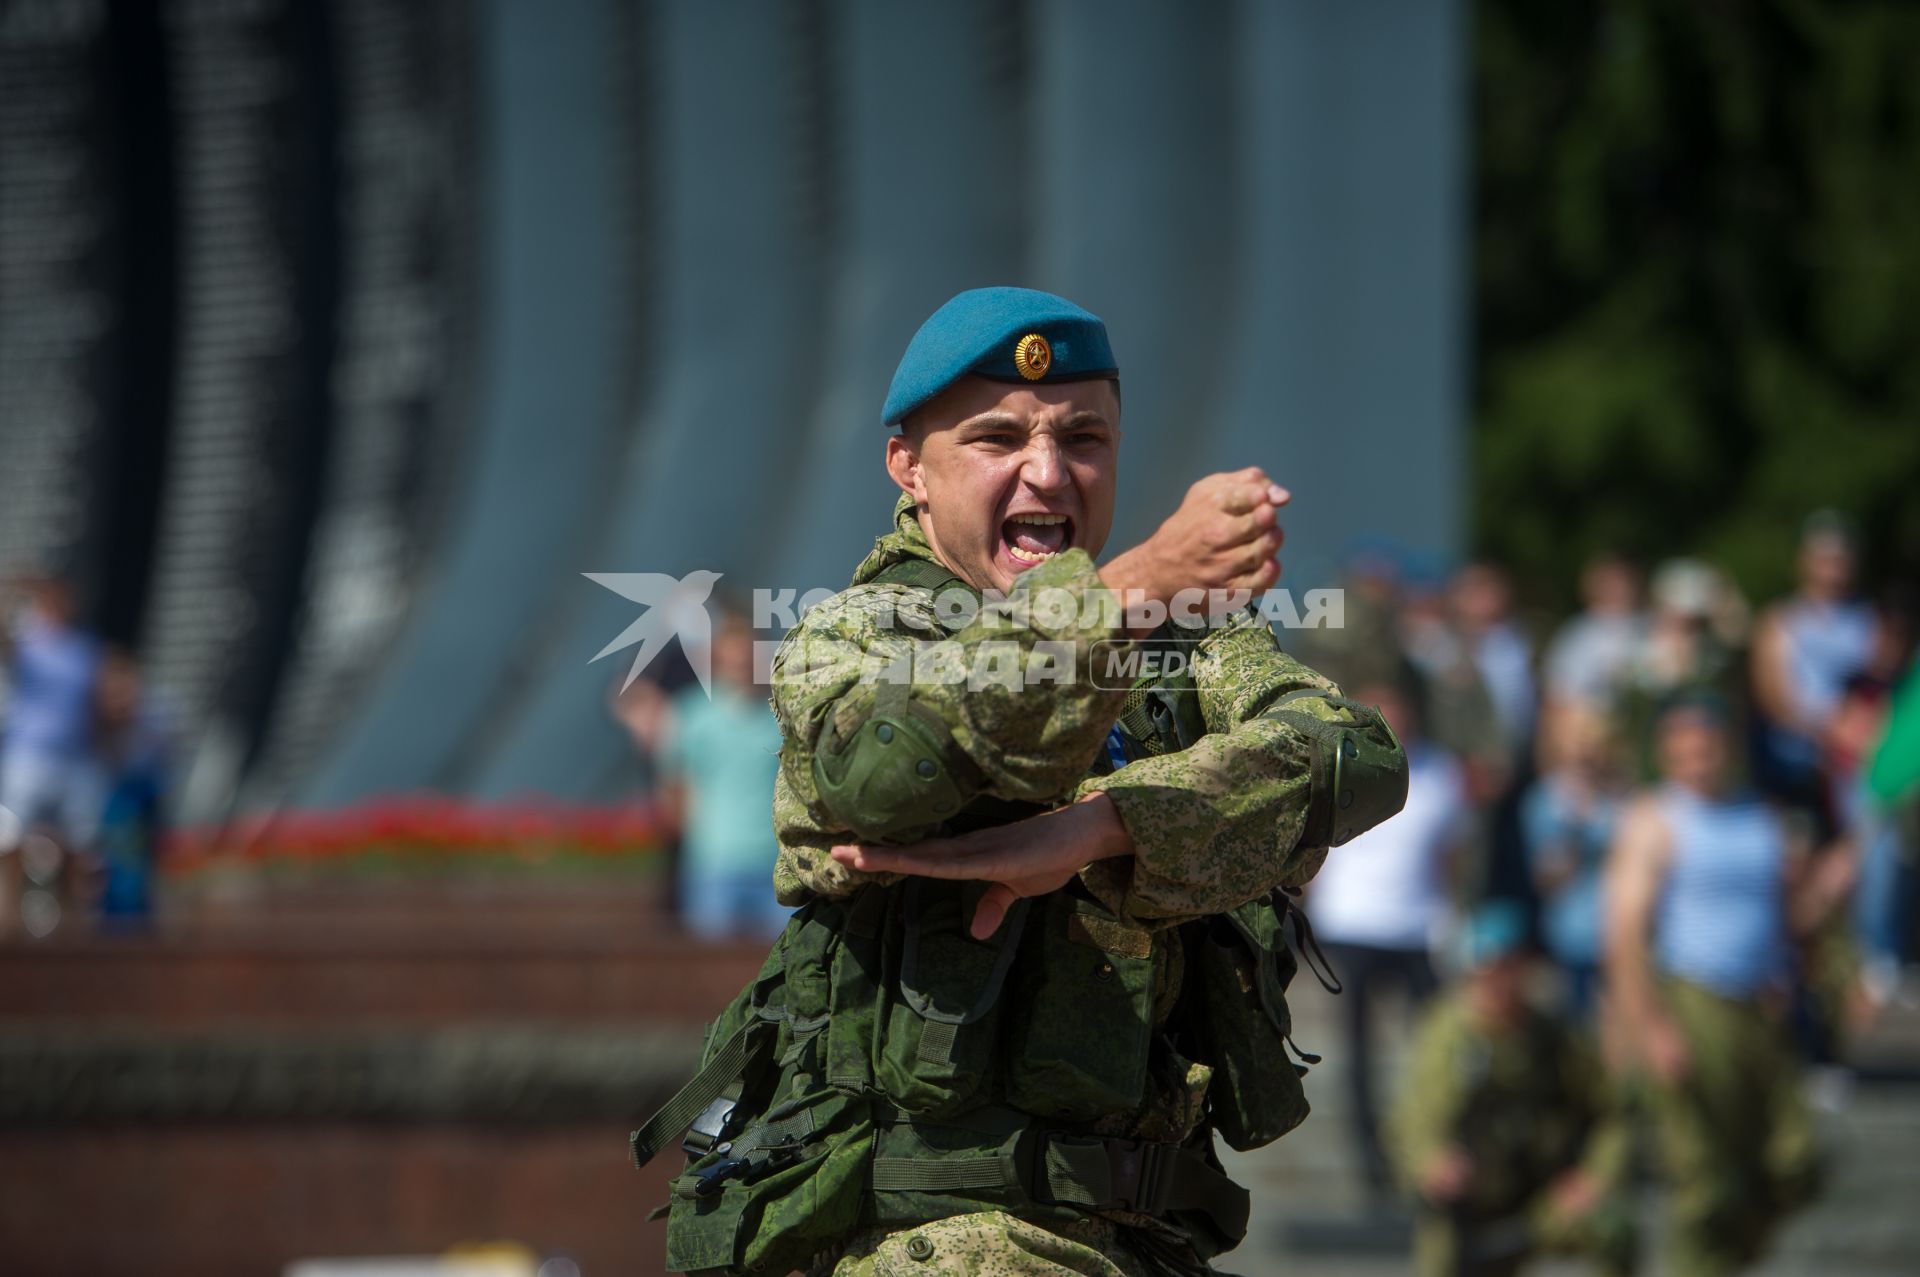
(884, 1067)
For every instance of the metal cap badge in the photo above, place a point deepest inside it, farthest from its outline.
(1032, 356)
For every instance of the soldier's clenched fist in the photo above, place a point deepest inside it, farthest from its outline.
(1223, 538)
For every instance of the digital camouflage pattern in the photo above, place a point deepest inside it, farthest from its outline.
(992, 1244)
(1213, 826)
(1526, 1104)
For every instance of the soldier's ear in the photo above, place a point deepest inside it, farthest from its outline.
(903, 464)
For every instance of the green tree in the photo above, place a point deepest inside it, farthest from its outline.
(1697, 262)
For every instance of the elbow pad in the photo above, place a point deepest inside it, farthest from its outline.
(1359, 770)
(894, 773)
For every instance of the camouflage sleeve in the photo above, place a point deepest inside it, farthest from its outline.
(1219, 823)
(1012, 688)
(1431, 1099)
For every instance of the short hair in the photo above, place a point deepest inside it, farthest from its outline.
(1695, 699)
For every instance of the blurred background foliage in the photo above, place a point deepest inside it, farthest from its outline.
(1698, 286)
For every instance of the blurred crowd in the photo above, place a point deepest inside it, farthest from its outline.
(84, 764)
(1652, 875)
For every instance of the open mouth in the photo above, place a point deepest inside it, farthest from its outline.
(1035, 538)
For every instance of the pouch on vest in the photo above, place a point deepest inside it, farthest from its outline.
(935, 1049)
(1239, 967)
(786, 1188)
(788, 1182)
(1078, 1048)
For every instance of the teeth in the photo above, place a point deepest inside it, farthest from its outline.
(1037, 518)
(1024, 557)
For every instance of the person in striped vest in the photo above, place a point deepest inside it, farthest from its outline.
(1702, 910)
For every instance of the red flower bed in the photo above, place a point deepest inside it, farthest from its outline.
(424, 827)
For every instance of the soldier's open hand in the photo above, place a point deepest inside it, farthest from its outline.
(1029, 857)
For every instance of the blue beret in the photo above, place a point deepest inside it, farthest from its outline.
(1007, 334)
(1495, 929)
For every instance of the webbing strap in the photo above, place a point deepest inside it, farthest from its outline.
(792, 1129)
(1079, 1173)
(1137, 721)
(1089, 1172)
(728, 1063)
(1137, 1175)
(936, 1042)
(941, 1175)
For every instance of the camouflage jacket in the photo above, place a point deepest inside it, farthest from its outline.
(1213, 825)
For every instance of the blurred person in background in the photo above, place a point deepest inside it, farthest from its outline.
(1591, 656)
(52, 666)
(716, 756)
(1507, 1128)
(1805, 648)
(1890, 798)
(1381, 904)
(1458, 635)
(1366, 647)
(1459, 711)
(1702, 910)
(129, 765)
(1481, 602)
(1860, 733)
(1567, 819)
(1690, 644)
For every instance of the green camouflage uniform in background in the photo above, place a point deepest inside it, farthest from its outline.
(1213, 826)
(1526, 1104)
(1735, 1135)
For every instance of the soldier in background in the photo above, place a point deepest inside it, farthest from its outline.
(1703, 905)
(1506, 1128)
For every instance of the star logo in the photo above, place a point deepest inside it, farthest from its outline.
(674, 606)
(1032, 356)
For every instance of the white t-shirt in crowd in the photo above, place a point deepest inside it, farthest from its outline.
(1386, 888)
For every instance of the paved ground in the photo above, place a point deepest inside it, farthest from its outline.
(1311, 1216)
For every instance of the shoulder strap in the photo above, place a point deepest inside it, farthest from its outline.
(747, 1046)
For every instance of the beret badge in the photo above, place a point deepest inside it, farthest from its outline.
(1032, 356)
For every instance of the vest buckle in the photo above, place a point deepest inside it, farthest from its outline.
(1138, 1171)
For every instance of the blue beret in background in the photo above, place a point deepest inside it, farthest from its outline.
(1007, 334)
(1496, 929)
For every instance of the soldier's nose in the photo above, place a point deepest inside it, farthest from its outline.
(1043, 470)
